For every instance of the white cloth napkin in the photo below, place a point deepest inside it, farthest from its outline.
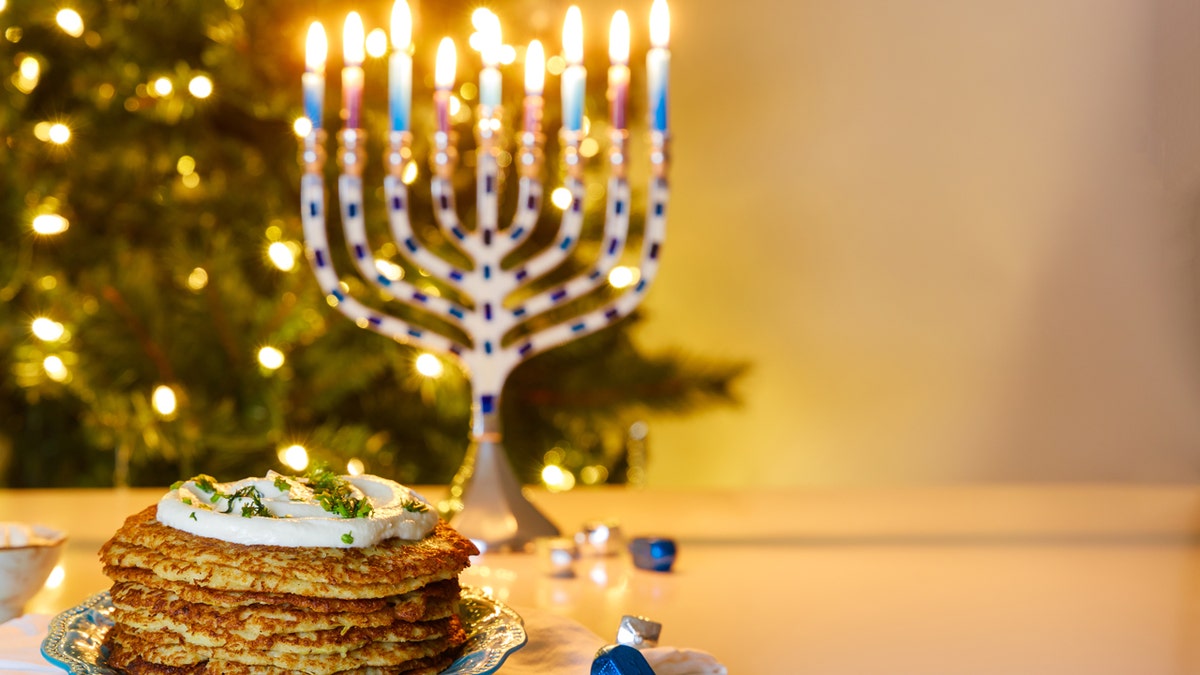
(556, 645)
(21, 645)
(563, 646)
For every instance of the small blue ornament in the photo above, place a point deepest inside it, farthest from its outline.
(620, 660)
(653, 553)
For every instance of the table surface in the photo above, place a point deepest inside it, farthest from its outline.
(987, 579)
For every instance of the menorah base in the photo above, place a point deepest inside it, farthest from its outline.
(494, 511)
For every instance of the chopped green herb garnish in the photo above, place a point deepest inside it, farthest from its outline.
(176, 485)
(282, 484)
(348, 538)
(334, 495)
(206, 483)
(187, 500)
(192, 515)
(254, 508)
(414, 506)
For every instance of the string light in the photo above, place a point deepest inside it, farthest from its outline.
(355, 467)
(270, 358)
(55, 368)
(302, 127)
(282, 256)
(295, 457)
(29, 72)
(200, 86)
(163, 400)
(58, 133)
(389, 269)
(377, 43)
(197, 279)
(186, 165)
(410, 174)
(557, 479)
(49, 224)
(561, 198)
(70, 22)
(623, 277)
(46, 330)
(163, 87)
(429, 365)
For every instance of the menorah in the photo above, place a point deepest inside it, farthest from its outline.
(493, 510)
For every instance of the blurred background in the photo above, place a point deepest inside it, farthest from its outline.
(909, 242)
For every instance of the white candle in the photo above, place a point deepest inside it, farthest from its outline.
(658, 60)
(315, 50)
(618, 71)
(354, 53)
(574, 78)
(443, 80)
(489, 77)
(400, 67)
(535, 81)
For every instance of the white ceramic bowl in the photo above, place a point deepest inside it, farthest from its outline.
(28, 553)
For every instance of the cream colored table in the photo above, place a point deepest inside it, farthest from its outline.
(1057, 580)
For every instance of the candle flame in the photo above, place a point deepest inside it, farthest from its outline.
(444, 67)
(573, 36)
(401, 26)
(353, 39)
(489, 31)
(316, 48)
(618, 38)
(535, 69)
(660, 23)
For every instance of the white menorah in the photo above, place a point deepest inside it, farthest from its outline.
(493, 508)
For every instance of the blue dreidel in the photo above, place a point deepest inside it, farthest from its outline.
(620, 660)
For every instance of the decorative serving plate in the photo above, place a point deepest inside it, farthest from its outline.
(75, 641)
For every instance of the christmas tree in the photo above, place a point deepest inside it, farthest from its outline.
(158, 318)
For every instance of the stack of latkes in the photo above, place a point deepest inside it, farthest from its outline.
(190, 604)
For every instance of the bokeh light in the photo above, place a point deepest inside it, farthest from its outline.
(295, 457)
(69, 21)
(164, 401)
(200, 86)
(270, 358)
(197, 279)
(561, 198)
(302, 127)
(282, 256)
(377, 43)
(163, 87)
(429, 365)
(55, 368)
(46, 330)
(623, 277)
(50, 223)
(58, 133)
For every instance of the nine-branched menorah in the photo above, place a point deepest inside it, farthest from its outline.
(493, 510)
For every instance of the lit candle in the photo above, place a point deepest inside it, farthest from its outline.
(658, 59)
(535, 81)
(400, 67)
(443, 79)
(489, 77)
(354, 52)
(618, 71)
(315, 50)
(574, 78)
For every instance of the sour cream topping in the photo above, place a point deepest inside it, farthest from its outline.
(293, 514)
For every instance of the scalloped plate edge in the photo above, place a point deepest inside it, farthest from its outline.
(494, 632)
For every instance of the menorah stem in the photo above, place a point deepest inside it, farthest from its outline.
(494, 512)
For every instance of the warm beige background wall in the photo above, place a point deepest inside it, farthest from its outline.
(956, 239)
